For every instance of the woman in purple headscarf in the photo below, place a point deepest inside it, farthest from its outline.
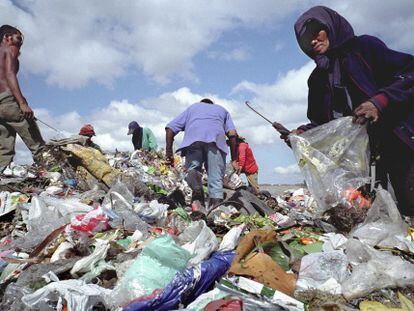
(361, 76)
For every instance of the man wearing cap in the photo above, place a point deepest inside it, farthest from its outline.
(88, 131)
(206, 126)
(16, 116)
(142, 137)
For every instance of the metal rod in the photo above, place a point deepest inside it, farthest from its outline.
(278, 126)
(248, 105)
(49, 126)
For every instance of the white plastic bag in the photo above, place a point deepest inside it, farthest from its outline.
(152, 212)
(323, 271)
(199, 240)
(333, 158)
(78, 295)
(88, 263)
(373, 270)
(232, 238)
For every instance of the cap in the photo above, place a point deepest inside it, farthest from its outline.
(87, 130)
(132, 126)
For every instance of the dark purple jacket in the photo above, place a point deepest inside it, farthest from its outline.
(370, 71)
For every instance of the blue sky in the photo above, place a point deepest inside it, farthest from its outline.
(110, 62)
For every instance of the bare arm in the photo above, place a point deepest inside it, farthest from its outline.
(169, 139)
(232, 135)
(11, 68)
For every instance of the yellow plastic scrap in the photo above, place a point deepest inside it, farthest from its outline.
(406, 305)
(410, 232)
(95, 162)
(164, 169)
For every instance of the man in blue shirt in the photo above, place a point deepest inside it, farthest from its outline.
(205, 127)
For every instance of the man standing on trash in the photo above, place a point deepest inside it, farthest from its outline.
(15, 114)
(205, 125)
(142, 137)
(361, 76)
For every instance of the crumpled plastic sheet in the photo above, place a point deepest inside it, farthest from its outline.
(78, 295)
(333, 158)
(232, 238)
(153, 269)
(323, 271)
(198, 240)
(118, 206)
(46, 214)
(374, 270)
(383, 225)
(333, 241)
(88, 263)
(92, 222)
(152, 212)
(187, 285)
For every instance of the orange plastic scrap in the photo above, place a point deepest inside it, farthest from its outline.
(355, 197)
(307, 241)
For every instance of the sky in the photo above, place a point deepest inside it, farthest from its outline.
(111, 62)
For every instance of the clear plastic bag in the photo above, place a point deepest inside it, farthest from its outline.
(333, 158)
(373, 270)
(323, 271)
(383, 225)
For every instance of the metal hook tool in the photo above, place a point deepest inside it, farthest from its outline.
(278, 126)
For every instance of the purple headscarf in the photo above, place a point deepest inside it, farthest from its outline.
(339, 32)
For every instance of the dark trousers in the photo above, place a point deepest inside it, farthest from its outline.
(397, 160)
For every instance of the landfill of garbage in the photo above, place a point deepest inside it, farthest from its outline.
(87, 231)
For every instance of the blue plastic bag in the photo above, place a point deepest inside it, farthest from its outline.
(187, 285)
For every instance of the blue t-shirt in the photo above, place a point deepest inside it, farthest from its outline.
(203, 122)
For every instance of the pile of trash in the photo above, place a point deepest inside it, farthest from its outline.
(88, 231)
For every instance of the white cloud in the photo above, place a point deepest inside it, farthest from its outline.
(75, 42)
(287, 170)
(284, 101)
(392, 21)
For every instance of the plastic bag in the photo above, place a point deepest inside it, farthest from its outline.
(374, 270)
(94, 221)
(232, 238)
(383, 225)
(323, 271)
(87, 263)
(333, 241)
(78, 295)
(152, 212)
(117, 205)
(231, 179)
(153, 269)
(199, 241)
(333, 158)
(187, 285)
(95, 162)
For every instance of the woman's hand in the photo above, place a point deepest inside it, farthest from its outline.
(366, 111)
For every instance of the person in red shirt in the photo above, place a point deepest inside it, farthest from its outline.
(247, 163)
